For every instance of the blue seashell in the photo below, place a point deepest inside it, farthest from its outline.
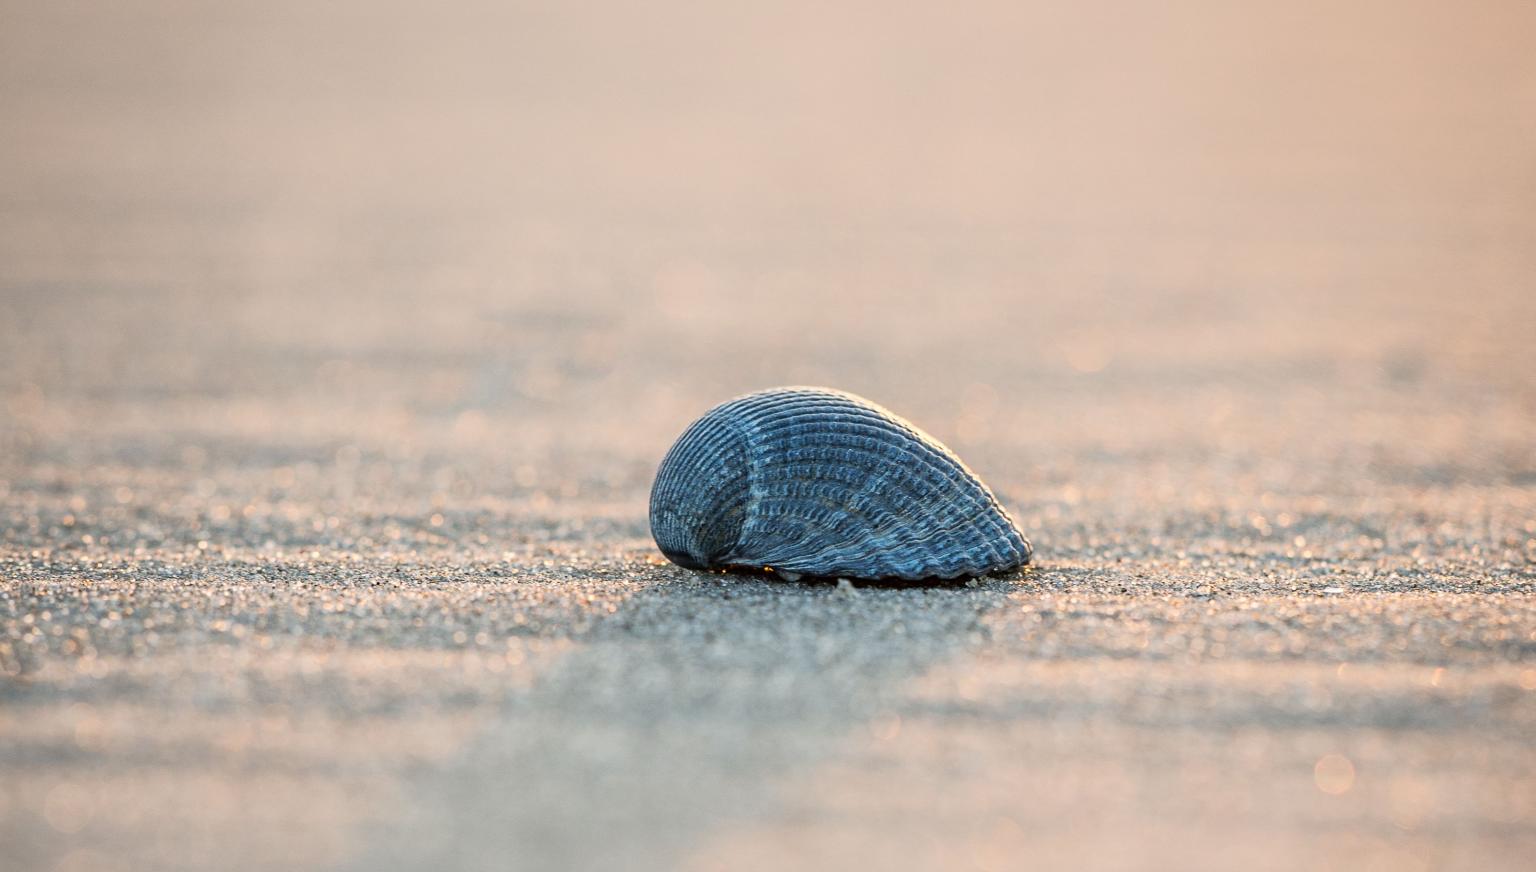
(813, 481)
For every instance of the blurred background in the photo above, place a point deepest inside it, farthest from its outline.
(438, 284)
(433, 209)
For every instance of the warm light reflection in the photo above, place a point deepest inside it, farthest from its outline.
(1086, 353)
(1334, 774)
(885, 727)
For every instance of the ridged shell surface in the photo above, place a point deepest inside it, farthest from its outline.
(820, 482)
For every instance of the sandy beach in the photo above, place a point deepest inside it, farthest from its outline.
(338, 348)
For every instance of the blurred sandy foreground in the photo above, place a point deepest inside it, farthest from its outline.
(338, 344)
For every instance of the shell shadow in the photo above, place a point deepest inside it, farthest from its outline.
(1020, 575)
(679, 715)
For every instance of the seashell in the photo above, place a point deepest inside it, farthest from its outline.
(813, 481)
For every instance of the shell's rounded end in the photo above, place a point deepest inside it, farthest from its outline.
(699, 499)
(683, 559)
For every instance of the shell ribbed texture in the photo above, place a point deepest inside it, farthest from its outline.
(825, 483)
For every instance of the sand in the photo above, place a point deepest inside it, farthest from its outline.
(337, 351)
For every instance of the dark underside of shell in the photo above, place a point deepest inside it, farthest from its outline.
(809, 481)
